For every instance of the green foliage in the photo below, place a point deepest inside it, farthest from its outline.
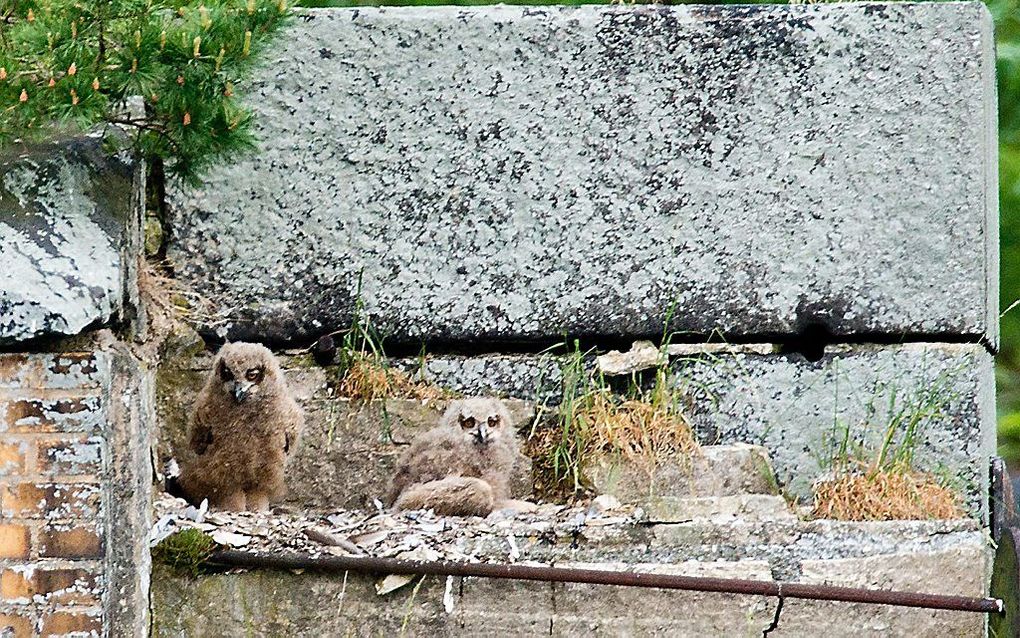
(1007, 39)
(185, 551)
(71, 64)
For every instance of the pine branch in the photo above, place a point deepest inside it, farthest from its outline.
(67, 62)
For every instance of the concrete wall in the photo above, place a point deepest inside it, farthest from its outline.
(76, 402)
(509, 173)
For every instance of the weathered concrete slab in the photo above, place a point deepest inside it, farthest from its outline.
(69, 236)
(511, 173)
(935, 557)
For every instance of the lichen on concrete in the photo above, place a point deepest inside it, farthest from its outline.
(67, 228)
(513, 173)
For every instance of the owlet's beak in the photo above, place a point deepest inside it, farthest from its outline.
(242, 391)
(481, 433)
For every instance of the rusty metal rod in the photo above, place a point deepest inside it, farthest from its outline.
(600, 577)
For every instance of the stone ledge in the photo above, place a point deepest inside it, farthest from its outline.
(271, 602)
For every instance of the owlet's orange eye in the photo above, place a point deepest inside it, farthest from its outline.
(467, 422)
(493, 421)
(253, 374)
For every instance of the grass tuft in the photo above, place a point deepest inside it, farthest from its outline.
(363, 370)
(882, 483)
(368, 378)
(896, 493)
(645, 425)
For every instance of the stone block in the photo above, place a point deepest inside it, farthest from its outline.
(69, 232)
(748, 508)
(579, 170)
(81, 455)
(14, 455)
(716, 470)
(64, 623)
(51, 415)
(50, 586)
(16, 624)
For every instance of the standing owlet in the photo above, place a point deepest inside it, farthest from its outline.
(245, 425)
(462, 466)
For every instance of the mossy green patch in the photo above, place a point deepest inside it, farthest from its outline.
(184, 552)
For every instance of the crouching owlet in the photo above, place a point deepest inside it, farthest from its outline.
(461, 467)
(245, 426)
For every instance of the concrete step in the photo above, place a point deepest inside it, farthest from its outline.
(747, 508)
(945, 557)
(925, 556)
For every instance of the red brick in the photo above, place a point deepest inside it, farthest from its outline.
(16, 369)
(68, 456)
(56, 586)
(14, 455)
(15, 541)
(73, 542)
(62, 623)
(16, 625)
(50, 415)
(50, 500)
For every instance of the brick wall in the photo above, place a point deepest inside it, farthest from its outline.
(53, 461)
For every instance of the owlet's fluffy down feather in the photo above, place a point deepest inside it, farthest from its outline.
(462, 466)
(245, 426)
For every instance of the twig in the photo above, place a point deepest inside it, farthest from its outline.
(321, 536)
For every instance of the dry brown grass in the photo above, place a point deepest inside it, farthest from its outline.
(368, 379)
(645, 430)
(167, 300)
(899, 493)
(648, 428)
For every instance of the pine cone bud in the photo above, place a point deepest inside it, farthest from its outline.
(74, 97)
(24, 96)
(52, 83)
(95, 84)
(3, 73)
(187, 118)
(71, 70)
